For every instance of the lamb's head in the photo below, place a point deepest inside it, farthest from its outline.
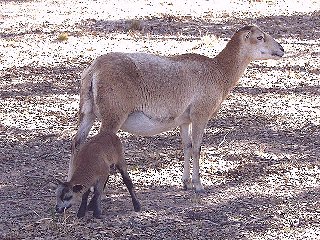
(258, 45)
(66, 195)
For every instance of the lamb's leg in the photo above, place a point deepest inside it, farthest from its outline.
(185, 132)
(91, 203)
(128, 182)
(96, 199)
(83, 206)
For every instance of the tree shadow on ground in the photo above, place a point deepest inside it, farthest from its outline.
(255, 91)
(262, 150)
(36, 162)
(40, 81)
(31, 163)
(258, 128)
(16, 1)
(259, 214)
(296, 26)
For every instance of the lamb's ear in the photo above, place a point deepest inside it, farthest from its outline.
(77, 188)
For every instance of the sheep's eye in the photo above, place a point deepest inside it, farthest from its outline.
(260, 38)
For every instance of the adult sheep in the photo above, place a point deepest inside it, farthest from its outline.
(145, 94)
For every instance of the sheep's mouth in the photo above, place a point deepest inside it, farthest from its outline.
(277, 54)
(274, 54)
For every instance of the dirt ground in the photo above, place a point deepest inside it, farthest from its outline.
(260, 156)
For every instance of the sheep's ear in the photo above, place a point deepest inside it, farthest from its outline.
(77, 188)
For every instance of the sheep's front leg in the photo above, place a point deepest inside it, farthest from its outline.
(197, 134)
(83, 206)
(185, 132)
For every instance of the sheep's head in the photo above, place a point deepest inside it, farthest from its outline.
(259, 45)
(66, 195)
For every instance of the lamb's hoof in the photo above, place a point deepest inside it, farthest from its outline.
(81, 214)
(137, 207)
(97, 214)
(187, 184)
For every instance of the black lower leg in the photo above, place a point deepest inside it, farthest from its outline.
(128, 182)
(96, 204)
(91, 205)
(83, 206)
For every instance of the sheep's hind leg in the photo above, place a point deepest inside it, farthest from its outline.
(86, 121)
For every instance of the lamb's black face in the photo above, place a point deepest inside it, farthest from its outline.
(65, 197)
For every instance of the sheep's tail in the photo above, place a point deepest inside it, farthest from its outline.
(86, 114)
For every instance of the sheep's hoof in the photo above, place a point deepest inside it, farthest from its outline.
(187, 184)
(199, 189)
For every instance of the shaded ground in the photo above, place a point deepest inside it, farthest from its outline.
(260, 156)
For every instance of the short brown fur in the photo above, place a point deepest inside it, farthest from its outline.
(91, 168)
(146, 94)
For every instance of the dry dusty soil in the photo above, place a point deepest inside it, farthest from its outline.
(260, 155)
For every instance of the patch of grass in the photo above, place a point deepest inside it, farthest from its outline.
(135, 25)
(63, 37)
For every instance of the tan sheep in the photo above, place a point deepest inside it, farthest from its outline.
(146, 94)
(91, 169)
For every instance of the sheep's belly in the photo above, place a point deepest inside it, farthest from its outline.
(138, 123)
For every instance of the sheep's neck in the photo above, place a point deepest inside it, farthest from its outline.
(232, 63)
